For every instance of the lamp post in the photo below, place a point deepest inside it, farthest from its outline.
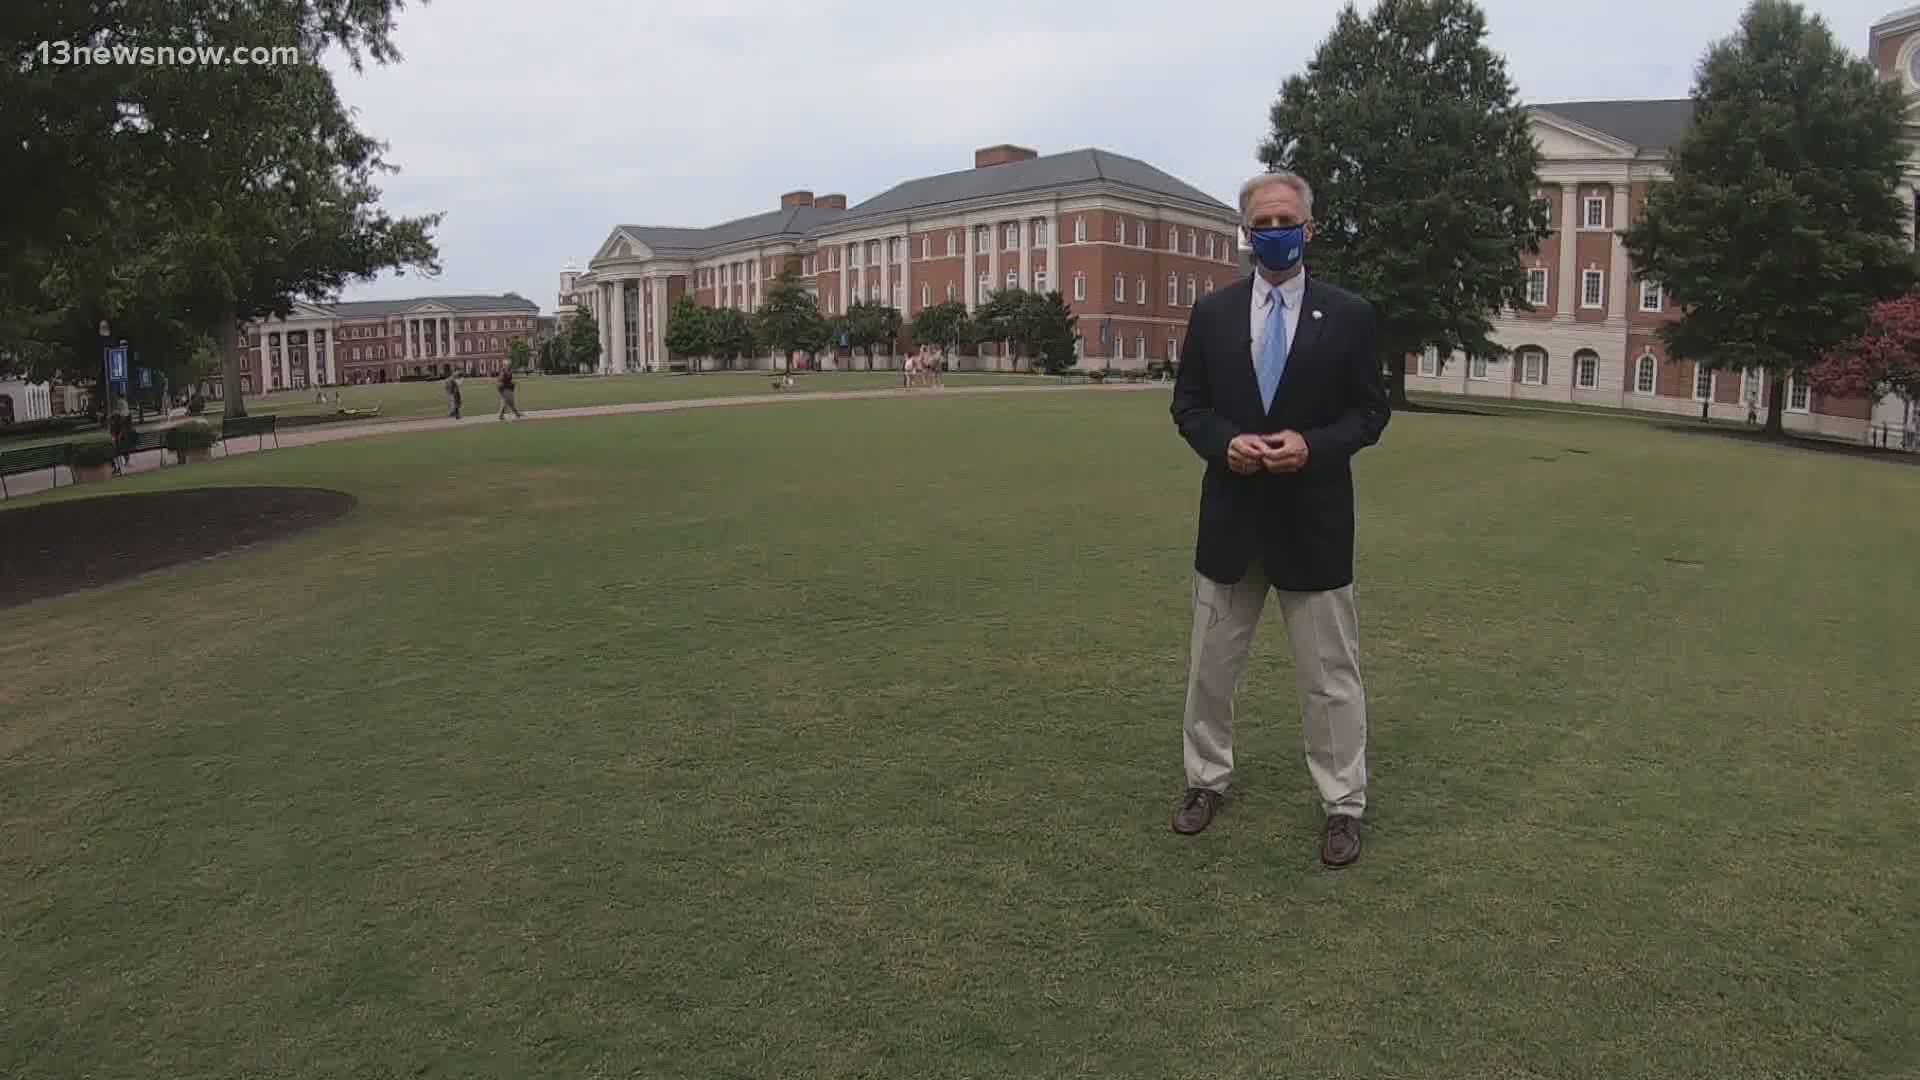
(106, 382)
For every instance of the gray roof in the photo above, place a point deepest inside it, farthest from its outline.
(1033, 174)
(370, 309)
(795, 221)
(1651, 125)
(1012, 178)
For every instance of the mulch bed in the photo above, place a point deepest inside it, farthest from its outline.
(63, 547)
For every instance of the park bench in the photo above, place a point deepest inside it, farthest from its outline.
(147, 440)
(32, 459)
(256, 427)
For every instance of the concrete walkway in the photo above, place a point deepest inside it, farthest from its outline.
(34, 483)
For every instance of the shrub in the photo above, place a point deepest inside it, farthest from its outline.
(58, 425)
(94, 450)
(194, 436)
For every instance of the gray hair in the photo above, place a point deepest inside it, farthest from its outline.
(1279, 176)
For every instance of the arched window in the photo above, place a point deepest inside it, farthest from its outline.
(1643, 370)
(1531, 360)
(1586, 369)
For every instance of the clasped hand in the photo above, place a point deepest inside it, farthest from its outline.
(1285, 452)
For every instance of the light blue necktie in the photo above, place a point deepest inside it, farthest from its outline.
(1273, 349)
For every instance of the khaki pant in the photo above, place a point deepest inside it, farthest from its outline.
(1325, 635)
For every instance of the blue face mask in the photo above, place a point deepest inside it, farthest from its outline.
(1281, 249)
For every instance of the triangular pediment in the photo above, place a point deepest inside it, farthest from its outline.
(622, 244)
(305, 310)
(430, 308)
(1558, 137)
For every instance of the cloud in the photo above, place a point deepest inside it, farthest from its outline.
(536, 128)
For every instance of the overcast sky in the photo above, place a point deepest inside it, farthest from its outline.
(537, 127)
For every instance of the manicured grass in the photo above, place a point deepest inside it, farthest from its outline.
(840, 740)
(411, 401)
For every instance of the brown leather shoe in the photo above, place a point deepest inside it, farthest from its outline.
(1196, 811)
(1341, 845)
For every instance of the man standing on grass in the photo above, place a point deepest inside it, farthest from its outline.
(506, 394)
(1279, 386)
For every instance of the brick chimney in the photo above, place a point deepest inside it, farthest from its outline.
(796, 198)
(1003, 154)
(831, 202)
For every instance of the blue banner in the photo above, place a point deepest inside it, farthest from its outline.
(146, 378)
(117, 364)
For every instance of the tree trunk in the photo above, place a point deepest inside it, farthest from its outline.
(236, 404)
(1777, 407)
(1395, 366)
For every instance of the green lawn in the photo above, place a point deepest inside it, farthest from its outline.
(841, 740)
(411, 401)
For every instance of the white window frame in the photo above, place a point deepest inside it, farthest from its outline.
(950, 244)
(1040, 281)
(984, 285)
(1429, 363)
(1209, 245)
(1140, 235)
(1080, 287)
(1583, 363)
(926, 295)
(1173, 290)
(1533, 367)
(1039, 232)
(1193, 244)
(1173, 350)
(1796, 386)
(1593, 277)
(1586, 213)
(1119, 230)
(1538, 280)
(1139, 289)
(1752, 386)
(1649, 365)
(950, 291)
(1012, 237)
(1658, 295)
(1139, 346)
(1193, 290)
(926, 247)
(1208, 288)
(1079, 230)
(1477, 368)
(1119, 288)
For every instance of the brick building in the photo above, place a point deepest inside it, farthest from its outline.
(1129, 247)
(1593, 336)
(374, 341)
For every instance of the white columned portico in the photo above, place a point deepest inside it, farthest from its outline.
(618, 361)
(1617, 303)
(333, 369)
(972, 273)
(1055, 280)
(906, 272)
(1026, 254)
(605, 318)
(1569, 240)
(659, 361)
(995, 240)
(260, 384)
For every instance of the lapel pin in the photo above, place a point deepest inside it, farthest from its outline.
(1316, 313)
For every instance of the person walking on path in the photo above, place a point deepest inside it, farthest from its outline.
(1279, 387)
(506, 396)
(453, 396)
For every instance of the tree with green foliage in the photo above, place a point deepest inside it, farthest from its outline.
(789, 320)
(732, 336)
(1051, 331)
(1423, 171)
(1782, 226)
(519, 355)
(582, 337)
(553, 355)
(689, 329)
(868, 325)
(1003, 318)
(947, 325)
(218, 193)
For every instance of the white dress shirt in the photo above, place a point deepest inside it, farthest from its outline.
(1293, 291)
